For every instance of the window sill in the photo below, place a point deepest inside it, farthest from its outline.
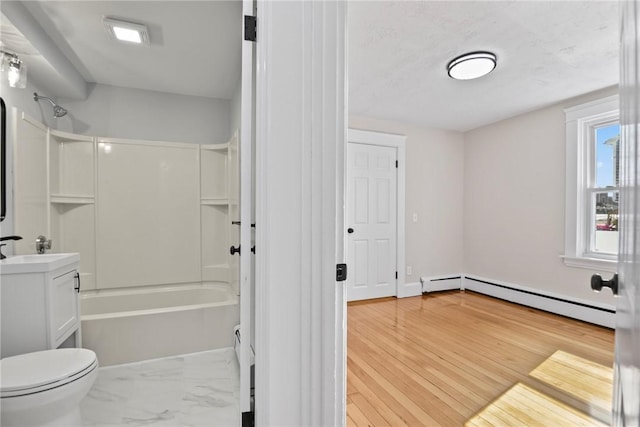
(591, 263)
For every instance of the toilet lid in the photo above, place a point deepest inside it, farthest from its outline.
(42, 368)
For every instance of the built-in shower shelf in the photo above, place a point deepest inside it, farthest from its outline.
(72, 199)
(214, 202)
(61, 136)
(215, 147)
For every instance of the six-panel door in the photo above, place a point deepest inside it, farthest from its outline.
(371, 219)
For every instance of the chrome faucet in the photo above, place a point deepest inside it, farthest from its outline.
(42, 244)
(2, 239)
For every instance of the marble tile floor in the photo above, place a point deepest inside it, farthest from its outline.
(200, 389)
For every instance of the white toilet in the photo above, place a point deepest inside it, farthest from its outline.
(45, 388)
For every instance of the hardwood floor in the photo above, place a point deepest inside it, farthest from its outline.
(450, 359)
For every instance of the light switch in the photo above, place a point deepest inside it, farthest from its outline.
(409, 270)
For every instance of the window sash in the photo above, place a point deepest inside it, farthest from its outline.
(591, 135)
(589, 225)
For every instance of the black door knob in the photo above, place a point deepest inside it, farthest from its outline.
(349, 230)
(233, 250)
(597, 283)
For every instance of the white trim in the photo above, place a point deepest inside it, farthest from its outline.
(596, 264)
(300, 140)
(592, 108)
(244, 137)
(563, 305)
(412, 289)
(399, 143)
(579, 121)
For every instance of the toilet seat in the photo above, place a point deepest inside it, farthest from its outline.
(44, 370)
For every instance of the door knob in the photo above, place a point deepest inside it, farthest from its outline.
(597, 283)
(349, 230)
(234, 250)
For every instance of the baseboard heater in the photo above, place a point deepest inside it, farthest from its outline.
(436, 284)
(603, 315)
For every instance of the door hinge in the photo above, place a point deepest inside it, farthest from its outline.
(248, 419)
(396, 275)
(250, 28)
(396, 164)
(341, 272)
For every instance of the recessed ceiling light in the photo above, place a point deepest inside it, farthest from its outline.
(472, 65)
(128, 32)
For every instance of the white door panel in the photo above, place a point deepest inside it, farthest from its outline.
(371, 213)
(626, 402)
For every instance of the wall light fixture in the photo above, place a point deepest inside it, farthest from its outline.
(13, 69)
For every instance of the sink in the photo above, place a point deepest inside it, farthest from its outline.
(36, 263)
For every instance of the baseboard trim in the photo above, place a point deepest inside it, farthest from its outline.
(412, 289)
(599, 314)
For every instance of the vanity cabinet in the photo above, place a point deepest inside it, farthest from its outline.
(40, 304)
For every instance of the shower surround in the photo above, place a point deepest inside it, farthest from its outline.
(148, 218)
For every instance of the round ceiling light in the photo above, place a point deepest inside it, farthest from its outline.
(472, 65)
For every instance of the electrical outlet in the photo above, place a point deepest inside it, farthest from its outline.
(409, 270)
(415, 217)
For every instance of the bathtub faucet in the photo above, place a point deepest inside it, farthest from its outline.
(2, 239)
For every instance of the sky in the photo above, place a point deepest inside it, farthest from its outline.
(604, 155)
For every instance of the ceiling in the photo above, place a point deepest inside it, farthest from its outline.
(194, 45)
(547, 51)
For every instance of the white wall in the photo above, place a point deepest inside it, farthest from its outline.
(117, 112)
(23, 100)
(234, 109)
(514, 198)
(434, 190)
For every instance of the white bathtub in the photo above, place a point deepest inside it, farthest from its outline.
(146, 323)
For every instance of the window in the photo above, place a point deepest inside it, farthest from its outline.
(592, 160)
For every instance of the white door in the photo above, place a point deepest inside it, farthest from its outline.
(371, 221)
(245, 209)
(626, 402)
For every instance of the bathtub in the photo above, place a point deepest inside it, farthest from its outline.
(146, 323)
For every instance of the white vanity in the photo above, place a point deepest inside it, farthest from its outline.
(39, 303)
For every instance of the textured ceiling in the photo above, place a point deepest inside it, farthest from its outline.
(547, 51)
(195, 45)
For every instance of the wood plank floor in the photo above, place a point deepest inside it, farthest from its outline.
(441, 359)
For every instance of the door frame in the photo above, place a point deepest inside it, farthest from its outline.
(245, 164)
(397, 142)
(301, 127)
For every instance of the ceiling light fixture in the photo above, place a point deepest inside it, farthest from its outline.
(13, 69)
(472, 65)
(128, 32)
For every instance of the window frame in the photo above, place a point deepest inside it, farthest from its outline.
(581, 121)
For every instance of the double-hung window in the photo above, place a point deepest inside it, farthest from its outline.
(592, 192)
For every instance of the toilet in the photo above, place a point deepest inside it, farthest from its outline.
(45, 388)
